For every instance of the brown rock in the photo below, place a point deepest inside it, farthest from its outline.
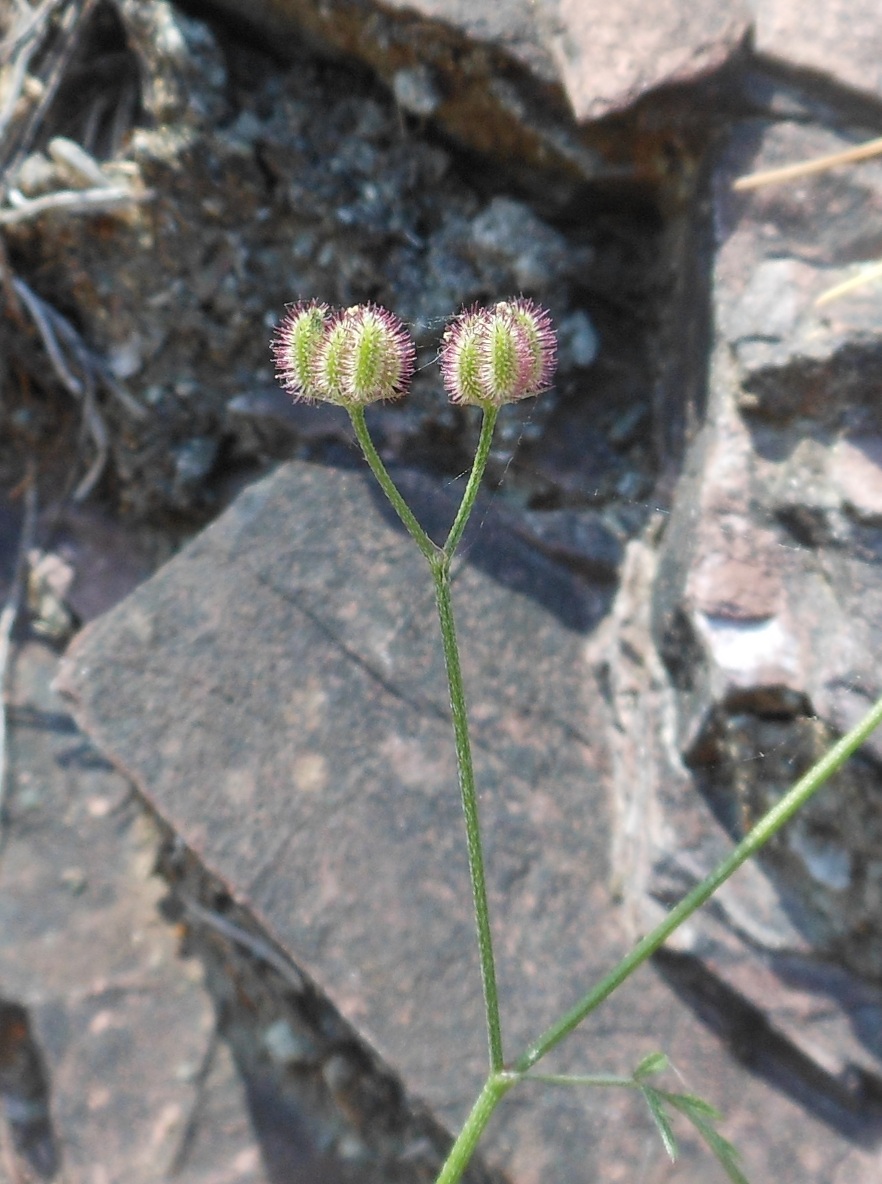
(504, 77)
(610, 55)
(276, 691)
(123, 1024)
(841, 40)
(266, 184)
(766, 612)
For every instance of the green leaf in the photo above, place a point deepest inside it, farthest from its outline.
(654, 1063)
(690, 1104)
(656, 1108)
(722, 1149)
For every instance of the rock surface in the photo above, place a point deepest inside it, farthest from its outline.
(284, 693)
(693, 517)
(840, 42)
(602, 59)
(759, 646)
(769, 570)
(123, 1025)
(259, 186)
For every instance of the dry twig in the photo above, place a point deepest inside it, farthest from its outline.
(43, 316)
(97, 429)
(74, 201)
(55, 329)
(16, 83)
(33, 21)
(255, 945)
(805, 168)
(91, 363)
(74, 156)
(78, 369)
(9, 615)
(73, 21)
(850, 285)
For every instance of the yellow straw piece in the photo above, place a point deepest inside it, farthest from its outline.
(856, 281)
(806, 167)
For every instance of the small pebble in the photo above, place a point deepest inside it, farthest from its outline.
(416, 91)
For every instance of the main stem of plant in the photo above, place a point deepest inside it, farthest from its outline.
(440, 559)
(441, 573)
(500, 1080)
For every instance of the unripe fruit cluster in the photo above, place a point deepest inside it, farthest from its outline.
(492, 356)
(351, 356)
(359, 355)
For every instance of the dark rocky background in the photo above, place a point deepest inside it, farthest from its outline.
(234, 904)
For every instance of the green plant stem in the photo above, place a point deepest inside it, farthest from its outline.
(439, 561)
(768, 826)
(482, 452)
(605, 1080)
(441, 574)
(499, 1083)
(495, 1088)
(399, 505)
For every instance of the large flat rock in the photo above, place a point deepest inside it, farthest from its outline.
(277, 692)
(124, 1024)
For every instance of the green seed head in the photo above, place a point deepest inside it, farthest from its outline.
(539, 339)
(353, 356)
(329, 369)
(296, 345)
(494, 356)
(380, 355)
(461, 358)
(505, 361)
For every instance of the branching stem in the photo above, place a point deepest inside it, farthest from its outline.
(500, 1080)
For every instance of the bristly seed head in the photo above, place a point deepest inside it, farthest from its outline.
(329, 361)
(490, 357)
(358, 355)
(295, 346)
(535, 321)
(462, 356)
(380, 355)
(353, 356)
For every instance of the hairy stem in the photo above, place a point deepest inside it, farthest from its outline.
(441, 574)
(439, 562)
(388, 486)
(768, 826)
(473, 484)
(500, 1081)
(495, 1088)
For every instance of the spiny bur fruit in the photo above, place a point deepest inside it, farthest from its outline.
(492, 356)
(350, 356)
(295, 344)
